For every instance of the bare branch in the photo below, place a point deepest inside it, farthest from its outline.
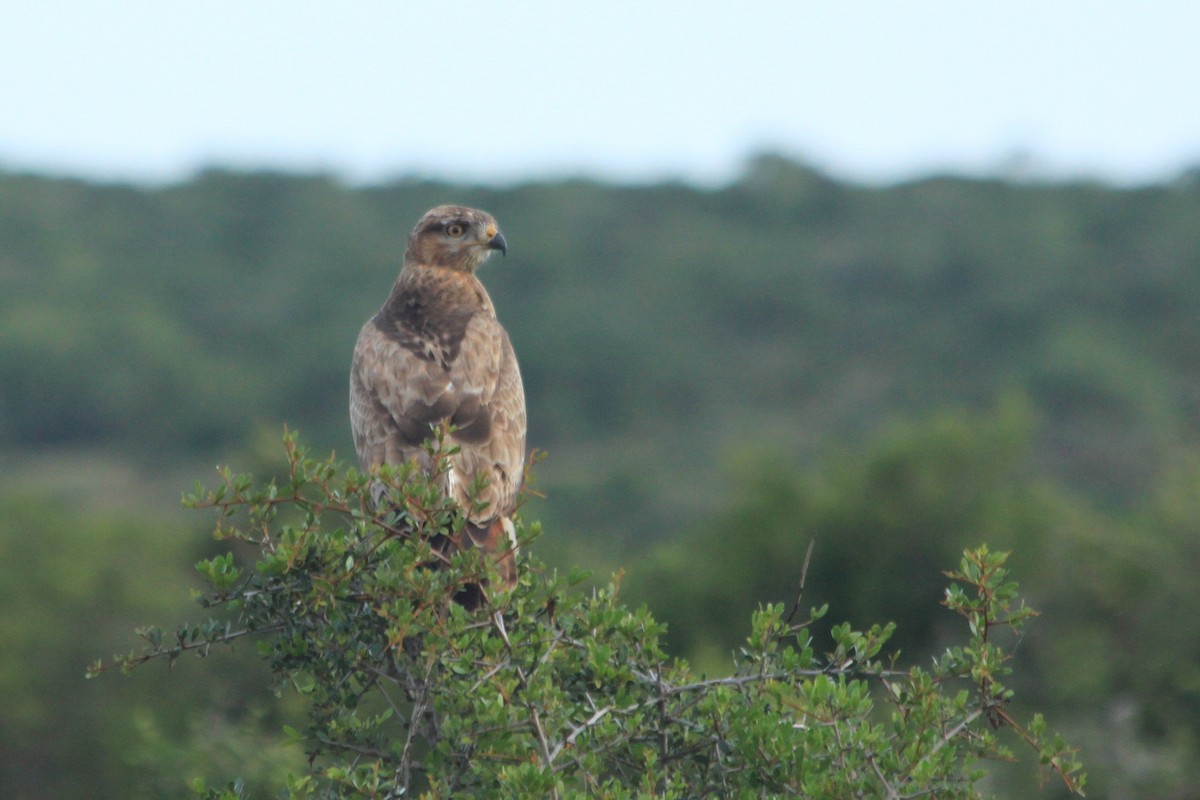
(570, 738)
(803, 577)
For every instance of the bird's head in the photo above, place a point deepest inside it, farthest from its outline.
(454, 237)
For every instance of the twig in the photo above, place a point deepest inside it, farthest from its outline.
(538, 731)
(803, 576)
(419, 709)
(1070, 782)
(175, 651)
(578, 730)
(892, 794)
(947, 737)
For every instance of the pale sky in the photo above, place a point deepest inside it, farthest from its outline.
(877, 90)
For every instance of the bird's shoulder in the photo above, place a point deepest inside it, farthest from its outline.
(431, 313)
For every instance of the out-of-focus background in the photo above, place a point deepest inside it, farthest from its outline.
(903, 277)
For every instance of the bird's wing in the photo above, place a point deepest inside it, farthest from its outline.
(398, 394)
(490, 421)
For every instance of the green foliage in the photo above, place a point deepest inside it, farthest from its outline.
(1112, 659)
(661, 329)
(1124, 644)
(553, 692)
(884, 522)
(76, 577)
(653, 320)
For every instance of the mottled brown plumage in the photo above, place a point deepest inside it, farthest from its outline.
(435, 353)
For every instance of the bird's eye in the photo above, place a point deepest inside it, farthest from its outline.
(455, 229)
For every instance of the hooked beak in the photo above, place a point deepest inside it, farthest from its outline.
(497, 243)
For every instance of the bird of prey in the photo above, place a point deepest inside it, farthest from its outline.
(435, 355)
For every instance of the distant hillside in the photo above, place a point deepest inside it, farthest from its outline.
(660, 328)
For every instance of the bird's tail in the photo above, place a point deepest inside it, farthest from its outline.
(497, 538)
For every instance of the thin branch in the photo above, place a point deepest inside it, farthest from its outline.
(951, 735)
(1070, 782)
(741, 680)
(538, 732)
(360, 750)
(487, 676)
(803, 576)
(175, 651)
(420, 705)
(891, 793)
(578, 730)
(664, 743)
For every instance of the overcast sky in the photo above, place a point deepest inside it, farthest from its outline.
(494, 91)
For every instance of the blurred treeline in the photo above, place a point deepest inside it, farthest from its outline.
(718, 375)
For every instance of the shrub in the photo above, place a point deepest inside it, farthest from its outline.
(553, 691)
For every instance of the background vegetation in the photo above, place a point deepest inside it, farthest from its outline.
(718, 376)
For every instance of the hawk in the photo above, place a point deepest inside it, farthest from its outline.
(436, 355)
